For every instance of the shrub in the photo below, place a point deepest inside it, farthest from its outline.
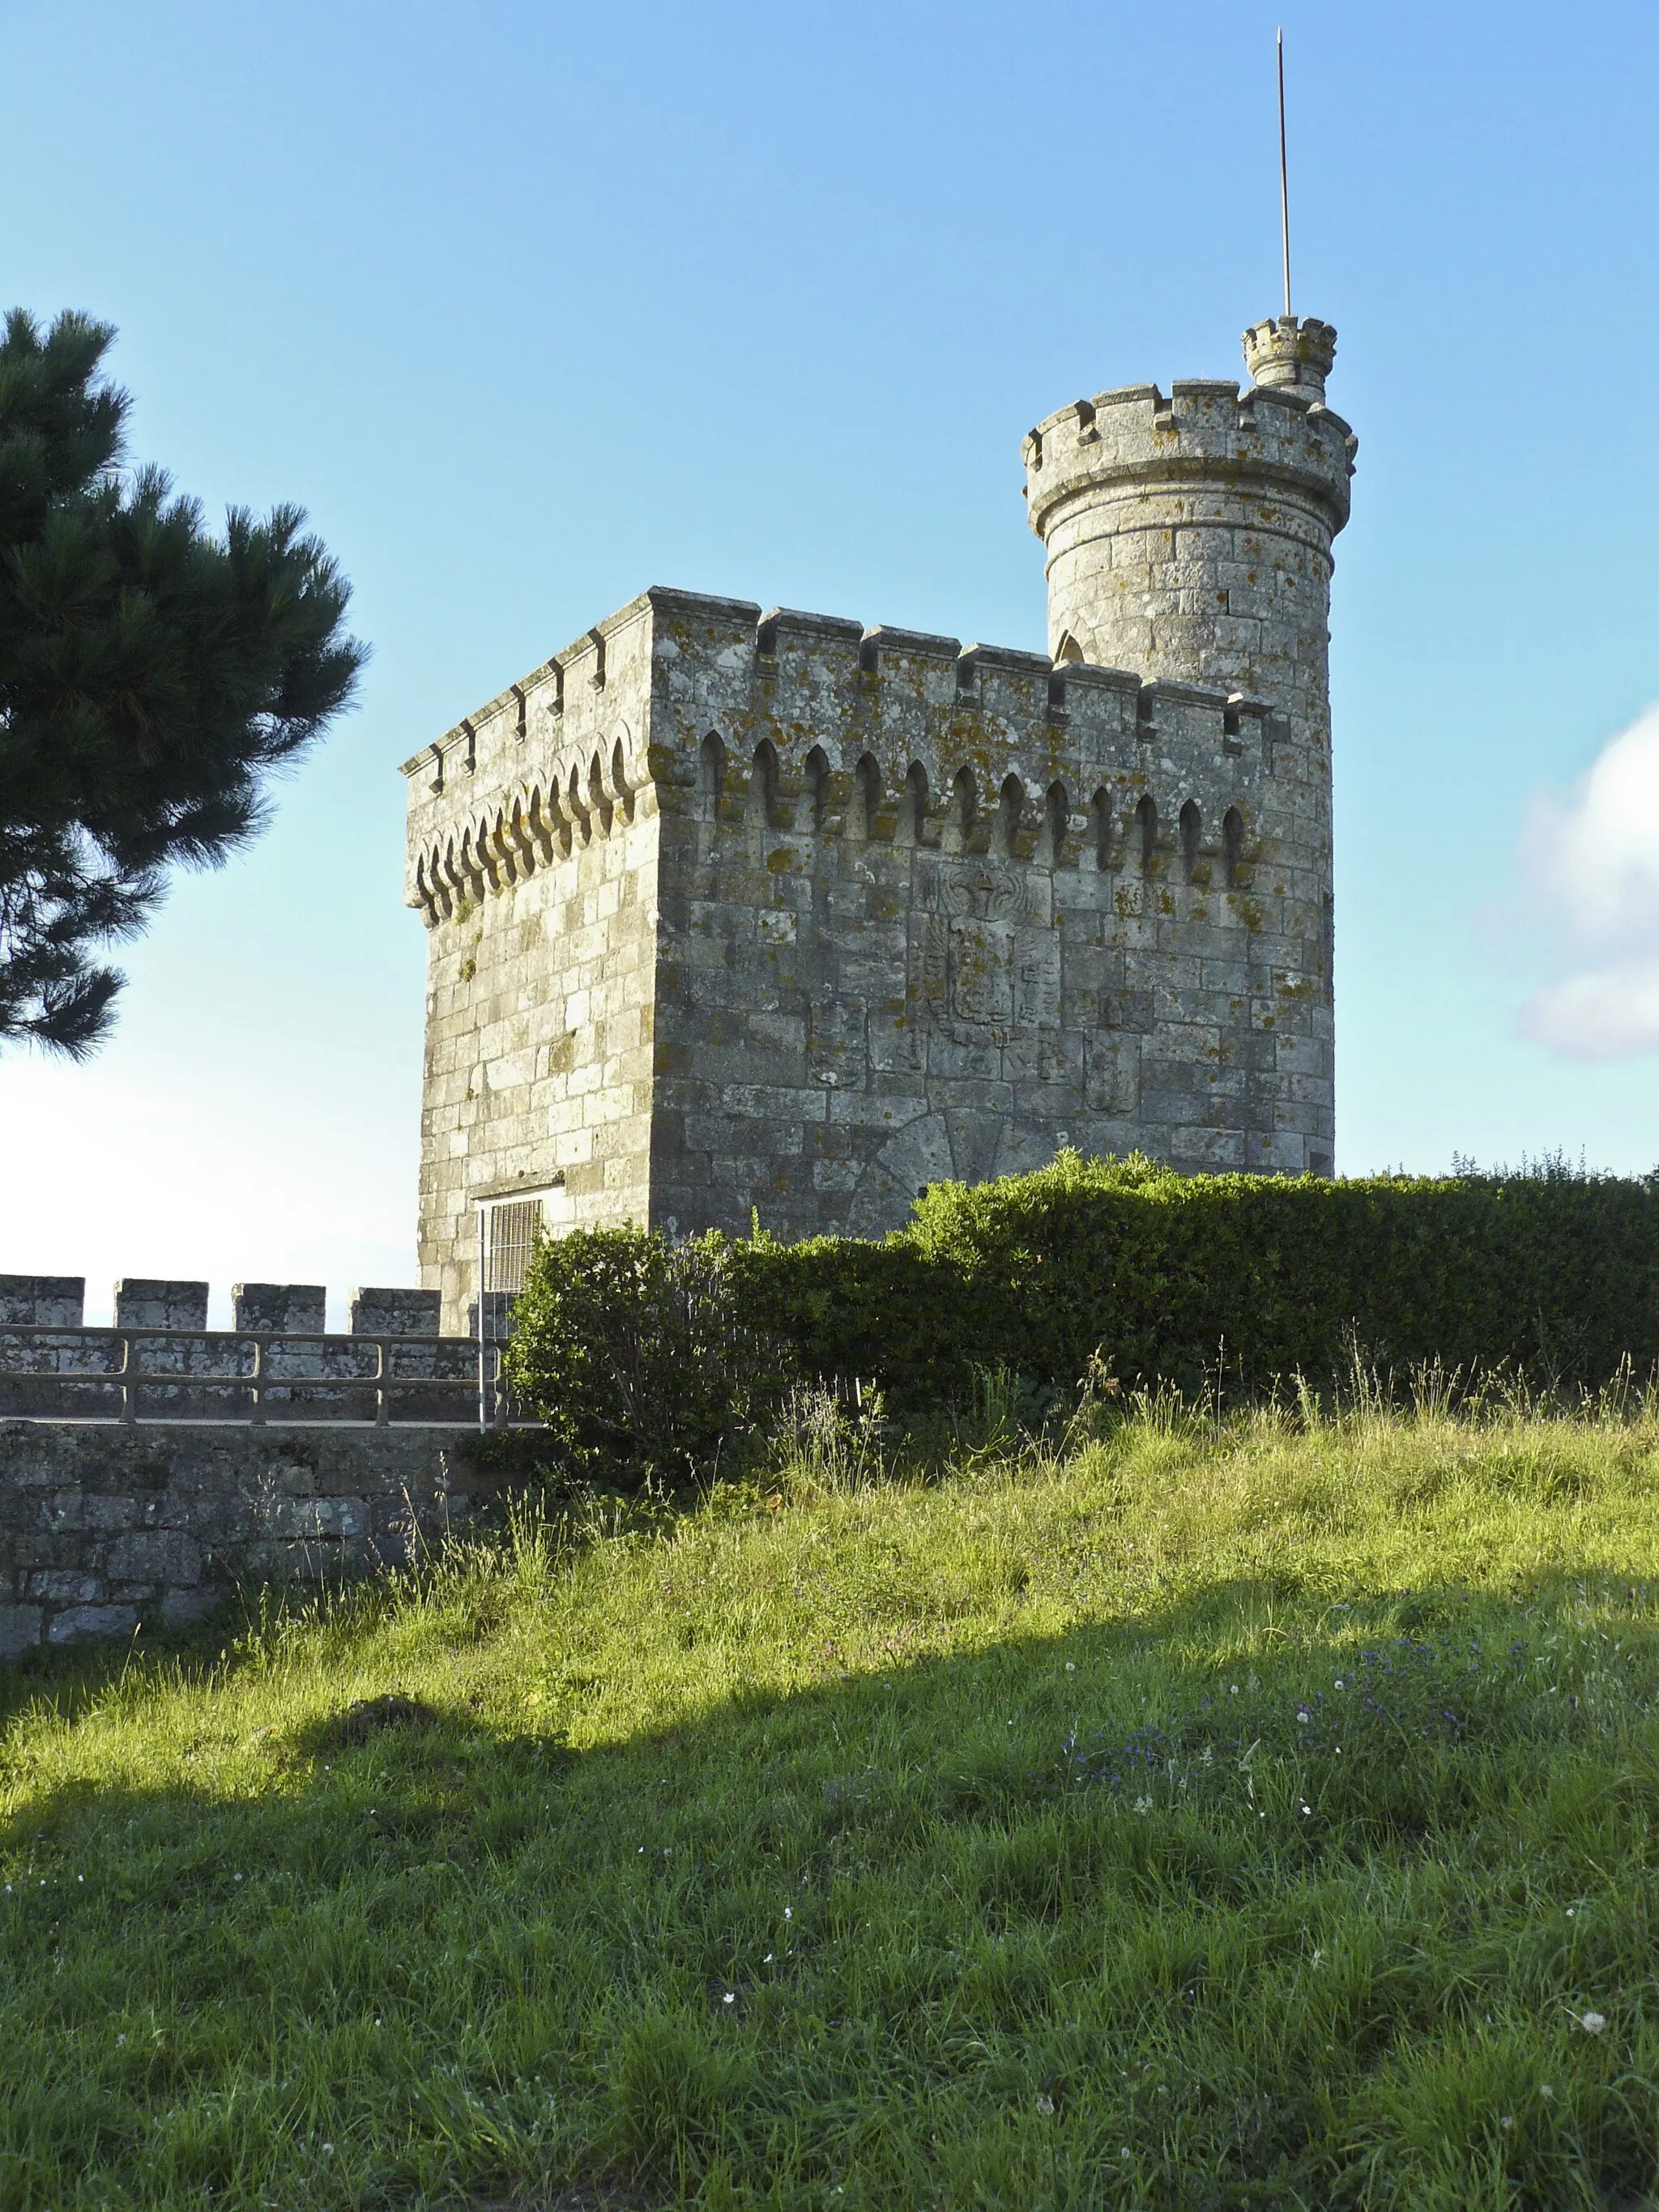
(633, 1350)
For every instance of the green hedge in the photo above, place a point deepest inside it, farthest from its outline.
(1173, 1277)
(655, 1362)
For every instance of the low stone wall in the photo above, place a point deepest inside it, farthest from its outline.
(105, 1528)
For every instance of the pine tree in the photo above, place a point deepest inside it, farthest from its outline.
(151, 676)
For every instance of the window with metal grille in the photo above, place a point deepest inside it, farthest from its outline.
(507, 1229)
(515, 1225)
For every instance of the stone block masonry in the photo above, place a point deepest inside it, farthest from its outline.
(103, 1529)
(42, 1301)
(734, 912)
(142, 1302)
(276, 1309)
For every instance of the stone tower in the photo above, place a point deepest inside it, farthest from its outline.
(733, 911)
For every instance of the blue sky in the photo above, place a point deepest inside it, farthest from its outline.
(531, 306)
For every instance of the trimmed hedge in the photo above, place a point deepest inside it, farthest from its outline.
(654, 1361)
(1172, 1277)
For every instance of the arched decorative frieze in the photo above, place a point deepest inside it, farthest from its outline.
(927, 802)
(534, 828)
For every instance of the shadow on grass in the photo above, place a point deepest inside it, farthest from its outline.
(1251, 1899)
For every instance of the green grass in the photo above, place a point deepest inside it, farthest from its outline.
(1213, 1817)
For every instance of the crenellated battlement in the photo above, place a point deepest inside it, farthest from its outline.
(876, 733)
(1265, 437)
(153, 1302)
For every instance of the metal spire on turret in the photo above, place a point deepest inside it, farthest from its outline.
(1287, 355)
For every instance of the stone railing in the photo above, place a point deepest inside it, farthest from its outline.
(160, 1362)
(134, 1374)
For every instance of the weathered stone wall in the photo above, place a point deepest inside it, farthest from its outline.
(532, 851)
(102, 1527)
(896, 911)
(735, 912)
(928, 913)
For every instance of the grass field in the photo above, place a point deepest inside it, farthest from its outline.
(1205, 1815)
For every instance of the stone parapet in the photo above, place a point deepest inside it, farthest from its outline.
(1263, 438)
(258, 1374)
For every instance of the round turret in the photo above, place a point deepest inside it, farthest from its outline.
(1288, 355)
(1189, 538)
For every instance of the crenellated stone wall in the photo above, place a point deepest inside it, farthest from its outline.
(867, 910)
(158, 1465)
(161, 1362)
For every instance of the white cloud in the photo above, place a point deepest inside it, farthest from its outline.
(1593, 859)
(1606, 1013)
